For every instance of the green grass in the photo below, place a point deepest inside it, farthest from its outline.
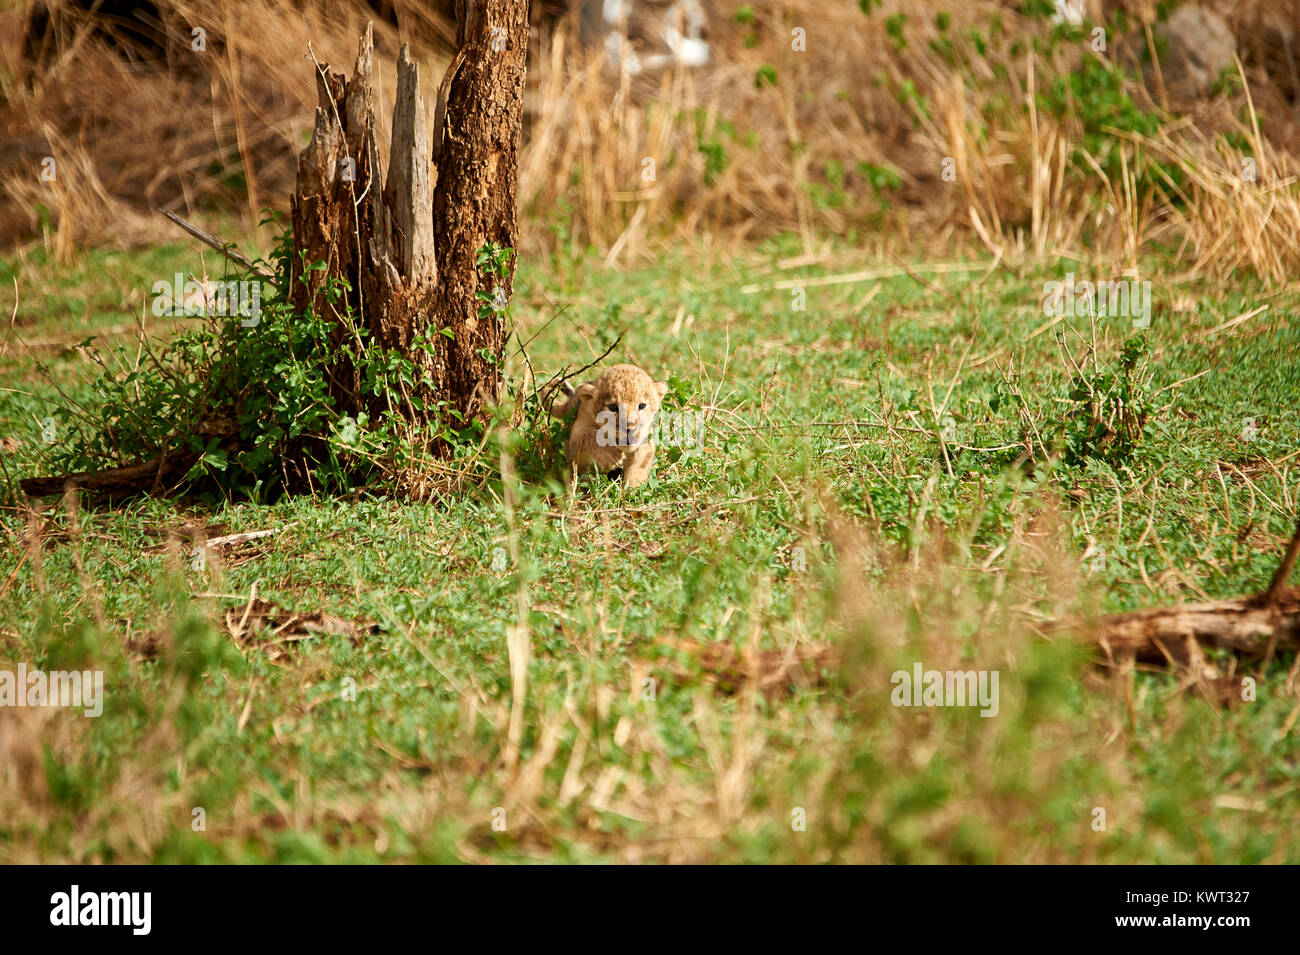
(861, 484)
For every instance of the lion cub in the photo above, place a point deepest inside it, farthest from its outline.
(612, 432)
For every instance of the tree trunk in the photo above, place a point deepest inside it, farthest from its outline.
(407, 251)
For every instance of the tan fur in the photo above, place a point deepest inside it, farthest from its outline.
(604, 440)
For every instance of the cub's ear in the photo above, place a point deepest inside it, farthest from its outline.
(661, 389)
(571, 399)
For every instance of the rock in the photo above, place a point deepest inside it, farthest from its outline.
(1200, 46)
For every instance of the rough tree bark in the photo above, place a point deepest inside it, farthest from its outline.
(405, 248)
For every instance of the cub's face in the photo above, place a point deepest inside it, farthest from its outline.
(624, 401)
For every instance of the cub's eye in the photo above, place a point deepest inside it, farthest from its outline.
(613, 408)
(641, 406)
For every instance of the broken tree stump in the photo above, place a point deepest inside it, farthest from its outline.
(405, 246)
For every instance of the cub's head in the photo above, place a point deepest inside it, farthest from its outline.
(624, 400)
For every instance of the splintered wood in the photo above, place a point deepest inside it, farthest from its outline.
(402, 250)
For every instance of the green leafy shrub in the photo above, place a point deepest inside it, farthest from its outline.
(1109, 409)
(252, 397)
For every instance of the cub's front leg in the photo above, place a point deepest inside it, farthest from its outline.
(637, 469)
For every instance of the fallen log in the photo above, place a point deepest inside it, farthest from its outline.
(1246, 626)
(159, 475)
(1253, 626)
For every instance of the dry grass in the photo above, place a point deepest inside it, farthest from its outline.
(219, 130)
(1238, 214)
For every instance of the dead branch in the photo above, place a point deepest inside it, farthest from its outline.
(557, 380)
(1245, 626)
(1253, 626)
(160, 474)
(225, 248)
